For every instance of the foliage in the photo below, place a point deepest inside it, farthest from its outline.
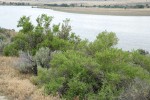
(43, 24)
(2, 45)
(73, 75)
(26, 25)
(103, 41)
(137, 90)
(117, 68)
(43, 77)
(5, 38)
(10, 50)
(31, 38)
(28, 63)
(141, 60)
(42, 57)
(71, 69)
(143, 52)
(25, 63)
(76, 69)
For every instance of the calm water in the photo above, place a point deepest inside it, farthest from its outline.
(133, 32)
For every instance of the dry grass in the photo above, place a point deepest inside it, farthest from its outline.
(18, 86)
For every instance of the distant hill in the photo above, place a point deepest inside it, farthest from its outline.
(102, 2)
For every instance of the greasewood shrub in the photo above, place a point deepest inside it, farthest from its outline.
(30, 38)
(141, 60)
(73, 74)
(102, 75)
(42, 78)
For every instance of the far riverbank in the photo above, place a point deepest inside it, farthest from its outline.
(103, 11)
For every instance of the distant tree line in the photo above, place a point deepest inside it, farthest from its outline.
(122, 6)
(119, 6)
(99, 6)
(14, 3)
(61, 5)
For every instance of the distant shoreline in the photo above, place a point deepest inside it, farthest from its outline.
(103, 11)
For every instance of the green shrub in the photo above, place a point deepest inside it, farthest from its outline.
(76, 88)
(2, 30)
(10, 50)
(42, 78)
(104, 40)
(141, 60)
(70, 69)
(5, 38)
(108, 92)
(143, 52)
(2, 46)
(110, 59)
(102, 76)
(54, 86)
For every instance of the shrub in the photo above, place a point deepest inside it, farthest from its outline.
(76, 89)
(112, 58)
(28, 63)
(104, 40)
(143, 52)
(42, 78)
(26, 25)
(2, 46)
(5, 38)
(2, 30)
(70, 69)
(141, 60)
(42, 57)
(76, 69)
(102, 76)
(118, 68)
(108, 92)
(137, 90)
(25, 63)
(10, 50)
(2, 38)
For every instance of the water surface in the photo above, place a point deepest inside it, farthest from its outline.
(133, 31)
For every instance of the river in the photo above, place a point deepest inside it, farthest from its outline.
(133, 31)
